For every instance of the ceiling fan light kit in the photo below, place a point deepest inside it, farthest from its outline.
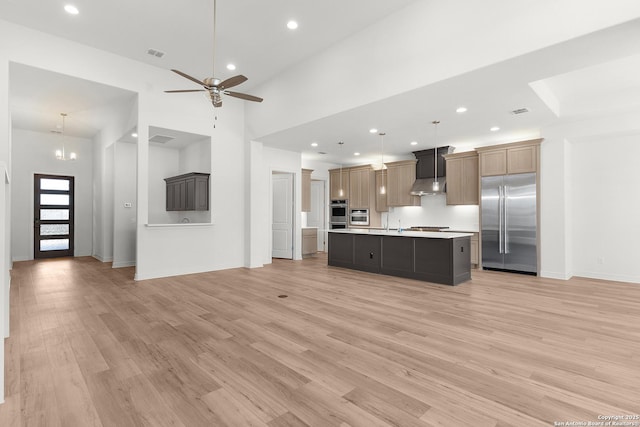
(213, 87)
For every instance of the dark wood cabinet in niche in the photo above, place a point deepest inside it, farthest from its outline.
(188, 192)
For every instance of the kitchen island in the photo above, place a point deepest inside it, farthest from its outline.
(438, 257)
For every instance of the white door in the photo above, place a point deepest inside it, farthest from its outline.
(315, 218)
(282, 222)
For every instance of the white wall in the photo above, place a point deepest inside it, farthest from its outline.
(606, 207)
(121, 118)
(196, 157)
(589, 178)
(4, 283)
(34, 152)
(124, 191)
(163, 163)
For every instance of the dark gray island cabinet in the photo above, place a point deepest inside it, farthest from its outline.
(433, 257)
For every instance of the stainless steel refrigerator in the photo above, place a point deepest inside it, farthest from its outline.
(509, 226)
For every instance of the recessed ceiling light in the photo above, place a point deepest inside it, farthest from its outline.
(356, 154)
(71, 9)
(494, 129)
(135, 135)
(314, 144)
(231, 67)
(373, 130)
(461, 110)
(414, 142)
(292, 25)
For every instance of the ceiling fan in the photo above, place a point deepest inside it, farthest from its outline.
(214, 87)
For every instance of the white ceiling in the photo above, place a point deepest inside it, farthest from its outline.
(250, 33)
(596, 73)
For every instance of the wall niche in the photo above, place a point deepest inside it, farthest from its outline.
(174, 153)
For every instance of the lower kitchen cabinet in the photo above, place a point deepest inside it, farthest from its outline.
(437, 260)
(366, 254)
(309, 241)
(188, 192)
(341, 250)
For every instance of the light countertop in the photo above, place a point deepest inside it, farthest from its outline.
(394, 233)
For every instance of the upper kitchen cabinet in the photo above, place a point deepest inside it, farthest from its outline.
(306, 190)
(381, 197)
(339, 184)
(514, 158)
(188, 192)
(400, 178)
(462, 178)
(360, 182)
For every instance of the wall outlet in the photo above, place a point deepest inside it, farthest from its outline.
(127, 205)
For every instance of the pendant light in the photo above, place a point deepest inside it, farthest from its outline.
(60, 154)
(436, 184)
(383, 189)
(341, 192)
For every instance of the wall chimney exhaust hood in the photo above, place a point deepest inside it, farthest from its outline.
(430, 172)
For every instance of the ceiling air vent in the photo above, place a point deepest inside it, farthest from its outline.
(520, 111)
(155, 52)
(161, 139)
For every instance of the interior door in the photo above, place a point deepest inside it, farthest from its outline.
(282, 217)
(53, 216)
(316, 218)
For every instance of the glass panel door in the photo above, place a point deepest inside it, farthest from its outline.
(53, 216)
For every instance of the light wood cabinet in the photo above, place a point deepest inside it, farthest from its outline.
(187, 192)
(522, 159)
(462, 178)
(474, 247)
(400, 178)
(359, 187)
(306, 190)
(336, 184)
(381, 199)
(517, 157)
(309, 241)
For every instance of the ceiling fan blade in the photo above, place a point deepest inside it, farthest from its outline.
(187, 76)
(232, 81)
(243, 96)
(185, 90)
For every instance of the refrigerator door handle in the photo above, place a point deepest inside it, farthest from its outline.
(506, 220)
(500, 218)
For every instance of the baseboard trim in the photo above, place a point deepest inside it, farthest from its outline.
(555, 275)
(101, 259)
(123, 264)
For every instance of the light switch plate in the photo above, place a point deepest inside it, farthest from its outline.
(127, 205)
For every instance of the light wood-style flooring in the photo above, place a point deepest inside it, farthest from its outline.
(91, 347)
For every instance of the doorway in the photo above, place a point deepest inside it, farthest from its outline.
(53, 216)
(316, 217)
(282, 216)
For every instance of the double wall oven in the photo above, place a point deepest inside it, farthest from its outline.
(339, 214)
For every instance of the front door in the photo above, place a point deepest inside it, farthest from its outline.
(53, 216)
